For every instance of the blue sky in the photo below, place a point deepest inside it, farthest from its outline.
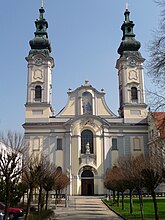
(84, 35)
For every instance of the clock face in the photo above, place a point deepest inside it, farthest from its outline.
(38, 61)
(132, 62)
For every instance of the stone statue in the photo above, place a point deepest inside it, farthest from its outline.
(87, 148)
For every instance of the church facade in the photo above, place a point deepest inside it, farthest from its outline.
(85, 137)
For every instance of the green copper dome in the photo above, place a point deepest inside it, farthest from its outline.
(40, 43)
(129, 43)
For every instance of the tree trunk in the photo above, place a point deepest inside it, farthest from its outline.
(56, 199)
(7, 199)
(40, 199)
(141, 204)
(109, 195)
(66, 197)
(28, 203)
(122, 200)
(155, 205)
(47, 196)
(118, 198)
(130, 201)
(114, 196)
(23, 199)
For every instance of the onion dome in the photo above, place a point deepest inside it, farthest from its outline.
(40, 43)
(129, 43)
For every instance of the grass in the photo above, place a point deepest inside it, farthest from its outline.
(42, 215)
(148, 209)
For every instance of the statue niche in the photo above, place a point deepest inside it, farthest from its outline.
(87, 103)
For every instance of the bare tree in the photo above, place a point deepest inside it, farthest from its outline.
(156, 99)
(115, 180)
(120, 183)
(11, 163)
(157, 54)
(43, 170)
(37, 176)
(137, 173)
(48, 186)
(133, 167)
(156, 63)
(61, 182)
(49, 181)
(30, 178)
(127, 165)
(152, 177)
(109, 181)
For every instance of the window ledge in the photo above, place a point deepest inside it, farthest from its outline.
(88, 155)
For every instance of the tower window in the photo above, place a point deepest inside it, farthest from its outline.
(128, 29)
(114, 143)
(86, 141)
(38, 93)
(59, 143)
(134, 95)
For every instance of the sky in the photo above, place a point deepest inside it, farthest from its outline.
(84, 36)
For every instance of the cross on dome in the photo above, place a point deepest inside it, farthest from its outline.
(126, 5)
(42, 3)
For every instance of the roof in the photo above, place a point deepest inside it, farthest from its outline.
(159, 118)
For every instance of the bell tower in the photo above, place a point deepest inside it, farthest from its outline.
(130, 73)
(39, 81)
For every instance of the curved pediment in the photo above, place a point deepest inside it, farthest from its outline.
(86, 100)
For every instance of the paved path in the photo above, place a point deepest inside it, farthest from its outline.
(84, 208)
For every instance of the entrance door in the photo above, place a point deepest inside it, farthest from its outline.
(87, 183)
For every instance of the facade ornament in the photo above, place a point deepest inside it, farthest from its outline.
(133, 75)
(38, 74)
(88, 122)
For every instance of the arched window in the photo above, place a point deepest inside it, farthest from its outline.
(134, 95)
(87, 103)
(86, 141)
(38, 93)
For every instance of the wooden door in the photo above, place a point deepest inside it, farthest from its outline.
(87, 187)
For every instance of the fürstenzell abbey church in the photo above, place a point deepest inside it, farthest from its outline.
(86, 137)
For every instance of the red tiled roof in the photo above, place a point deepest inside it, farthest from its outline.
(160, 122)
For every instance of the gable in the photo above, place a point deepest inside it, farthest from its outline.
(86, 100)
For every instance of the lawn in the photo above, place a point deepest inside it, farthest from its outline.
(147, 207)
